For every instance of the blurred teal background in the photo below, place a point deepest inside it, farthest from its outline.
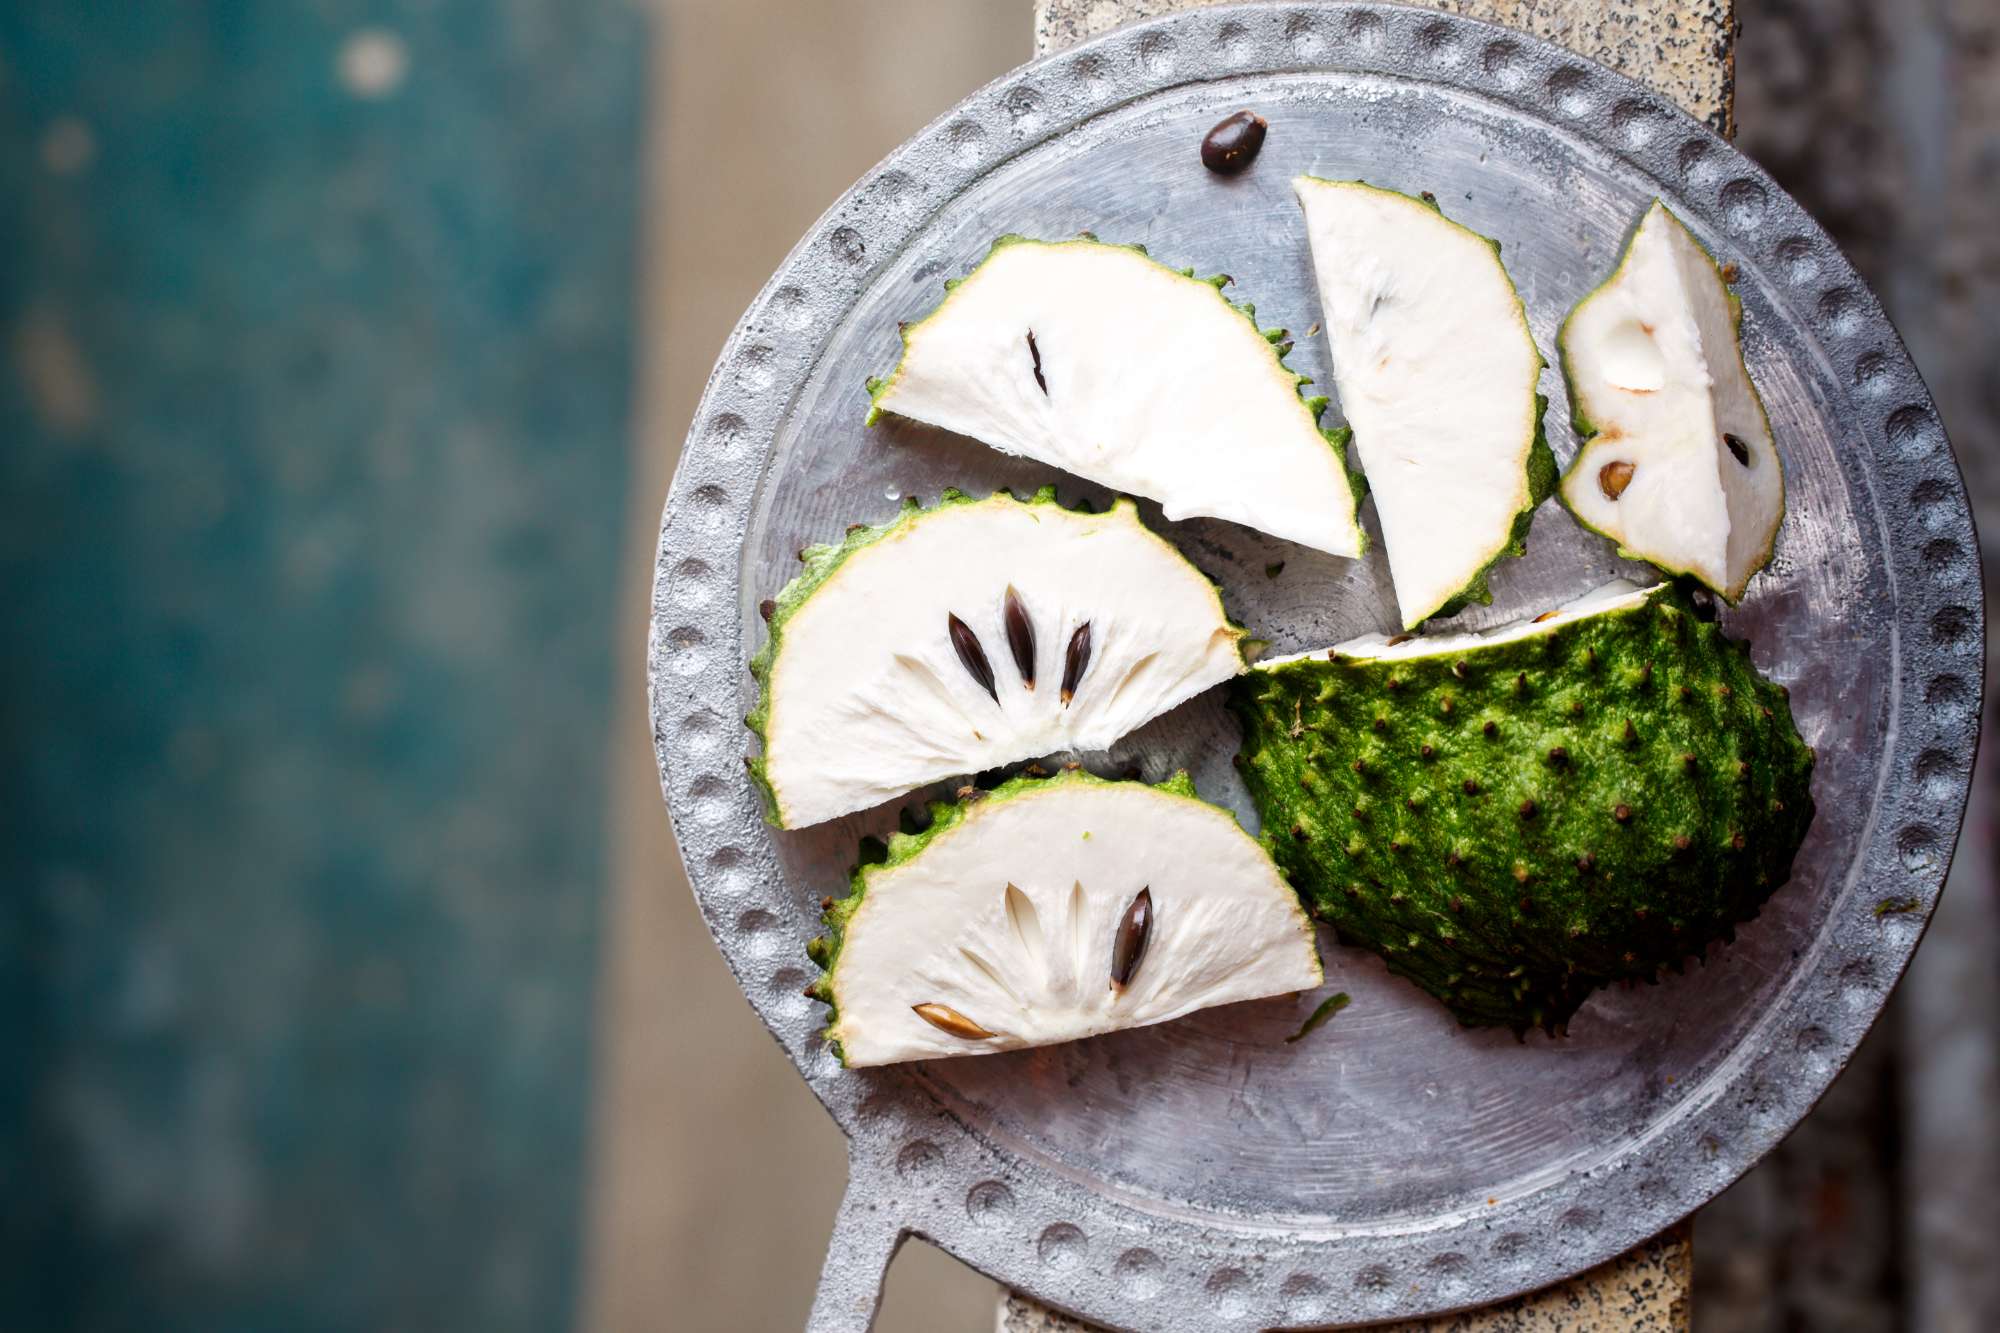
(319, 326)
(347, 976)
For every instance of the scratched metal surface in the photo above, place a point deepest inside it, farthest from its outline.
(1204, 1174)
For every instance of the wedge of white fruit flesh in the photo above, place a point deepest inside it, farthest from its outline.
(1055, 909)
(1098, 360)
(970, 635)
(1678, 465)
(1436, 372)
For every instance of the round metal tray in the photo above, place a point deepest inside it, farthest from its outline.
(1203, 1174)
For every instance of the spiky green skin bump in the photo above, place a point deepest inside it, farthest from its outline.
(820, 564)
(824, 950)
(1496, 873)
(1541, 460)
(1337, 437)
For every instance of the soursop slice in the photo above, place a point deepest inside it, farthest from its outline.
(1512, 820)
(1099, 360)
(1052, 909)
(1437, 374)
(970, 635)
(1678, 465)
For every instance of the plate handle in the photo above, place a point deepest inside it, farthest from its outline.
(866, 1236)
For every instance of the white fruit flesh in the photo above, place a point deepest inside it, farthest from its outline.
(1613, 596)
(1436, 372)
(1655, 367)
(869, 697)
(1009, 918)
(1155, 385)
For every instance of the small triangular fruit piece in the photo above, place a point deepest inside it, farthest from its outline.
(1678, 465)
(1099, 360)
(1053, 909)
(1437, 374)
(971, 635)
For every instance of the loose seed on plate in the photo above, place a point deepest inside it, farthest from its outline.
(1234, 143)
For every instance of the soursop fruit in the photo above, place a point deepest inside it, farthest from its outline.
(1678, 465)
(1104, 362)
(1437, 375)
(969, 635)
(1512, 820)
(1051, 909)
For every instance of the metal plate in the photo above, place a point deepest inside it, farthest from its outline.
(1203, 1174)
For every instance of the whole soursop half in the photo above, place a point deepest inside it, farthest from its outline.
(970, 635)
(1051, 909)
(1677, 465)
(1437, 373)
(1102, 361)
(1515, 819)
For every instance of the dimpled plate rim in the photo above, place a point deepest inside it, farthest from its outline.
(917, 1169)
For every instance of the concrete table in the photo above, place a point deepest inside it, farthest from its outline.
(1686, 49)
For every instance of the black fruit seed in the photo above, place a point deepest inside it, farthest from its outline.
(1234, 143)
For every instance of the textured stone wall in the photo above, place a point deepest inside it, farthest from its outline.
(1682, 47)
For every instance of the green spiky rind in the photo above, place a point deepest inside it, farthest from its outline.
(903, 847)
(823, 561)
(1496, 949)
(1587, 431)
(1539, 466)
(1278, 338)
